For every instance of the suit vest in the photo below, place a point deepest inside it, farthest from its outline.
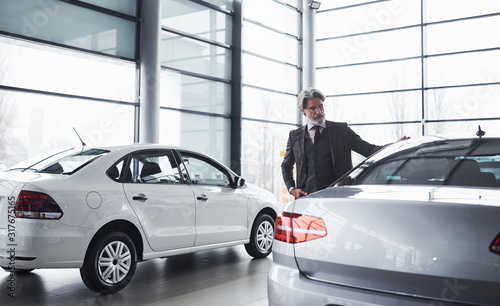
(319, 163)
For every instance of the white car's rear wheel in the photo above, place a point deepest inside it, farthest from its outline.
(110, 263)
(262, 237)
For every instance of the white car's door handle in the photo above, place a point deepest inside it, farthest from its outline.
(139, 197)
(202, 197)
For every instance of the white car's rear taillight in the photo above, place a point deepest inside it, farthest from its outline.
(295, 228)
(37, 205)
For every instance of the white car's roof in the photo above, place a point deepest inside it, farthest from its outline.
(146, 146)
(139, 146)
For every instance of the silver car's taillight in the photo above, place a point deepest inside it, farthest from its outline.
(37, 205)
(495, 245)
(295, 228)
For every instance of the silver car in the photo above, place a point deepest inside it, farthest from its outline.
(105, 209)
(418, 223)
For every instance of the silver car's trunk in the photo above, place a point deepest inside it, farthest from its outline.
(435, 245)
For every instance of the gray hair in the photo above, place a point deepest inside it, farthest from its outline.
(307, 94)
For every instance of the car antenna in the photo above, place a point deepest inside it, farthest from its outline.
(480, 132)
(83, 143)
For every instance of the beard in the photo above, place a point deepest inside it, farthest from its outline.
(319, 119)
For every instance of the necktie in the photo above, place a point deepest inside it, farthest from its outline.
(316, 134)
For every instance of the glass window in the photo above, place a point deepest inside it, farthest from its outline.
(204, 172)
(116, 171)
(270, 38)
(463, 35)
(463, 102)
(427, 171)
(201, 133)
(294, 3)
(454, 163)
(35, 66)
(195, 56)
(464, 128)
(325, 5)
(381, 134)
(383, 107)
(405, 74)
(128, 7)
(375, 16)
(437, 10)
(476, 171)
(63, 161)
(267, 74)
(267, 105)
(33, 124)
(196, 19)
(224, 4)
(258, 39)
(153, 167)
(272, 14)
(462, 69)
(186, 92)
(369, 47)
(263, 147)
(63, 23)
(71, 164)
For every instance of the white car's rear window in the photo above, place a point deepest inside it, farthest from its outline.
(64, 162)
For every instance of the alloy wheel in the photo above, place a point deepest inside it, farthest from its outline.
(265, 236)
(114, 262)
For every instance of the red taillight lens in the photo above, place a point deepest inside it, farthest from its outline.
(495, 245)
(295, 228)
(37, 205)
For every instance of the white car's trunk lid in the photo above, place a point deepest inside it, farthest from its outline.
(11, 184)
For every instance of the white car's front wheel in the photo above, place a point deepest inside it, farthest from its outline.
(110, 263)
(262, 237)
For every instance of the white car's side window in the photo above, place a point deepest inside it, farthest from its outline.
(116, 171)
(202, 172)
(154, 167)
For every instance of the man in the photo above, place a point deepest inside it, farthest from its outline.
(321, 149)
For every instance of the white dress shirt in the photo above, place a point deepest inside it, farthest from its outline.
(311, 131)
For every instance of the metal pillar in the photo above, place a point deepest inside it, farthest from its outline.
(236, 88)
(150, 68)
(308, 45)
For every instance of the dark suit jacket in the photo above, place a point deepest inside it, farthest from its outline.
(342, 140)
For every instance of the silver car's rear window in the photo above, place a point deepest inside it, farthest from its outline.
(455, 163)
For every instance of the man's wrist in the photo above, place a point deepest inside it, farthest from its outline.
(290, 189)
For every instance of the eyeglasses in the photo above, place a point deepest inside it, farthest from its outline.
(312, 109)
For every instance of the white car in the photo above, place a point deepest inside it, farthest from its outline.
(418, 223)
(104, 209)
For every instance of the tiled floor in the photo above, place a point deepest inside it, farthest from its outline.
(226, 276)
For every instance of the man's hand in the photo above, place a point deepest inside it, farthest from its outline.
(297, 192)
(404, 138)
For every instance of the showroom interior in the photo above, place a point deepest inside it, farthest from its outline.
(222, 77)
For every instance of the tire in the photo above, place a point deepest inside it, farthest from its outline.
(262, 237)
(110, 263)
